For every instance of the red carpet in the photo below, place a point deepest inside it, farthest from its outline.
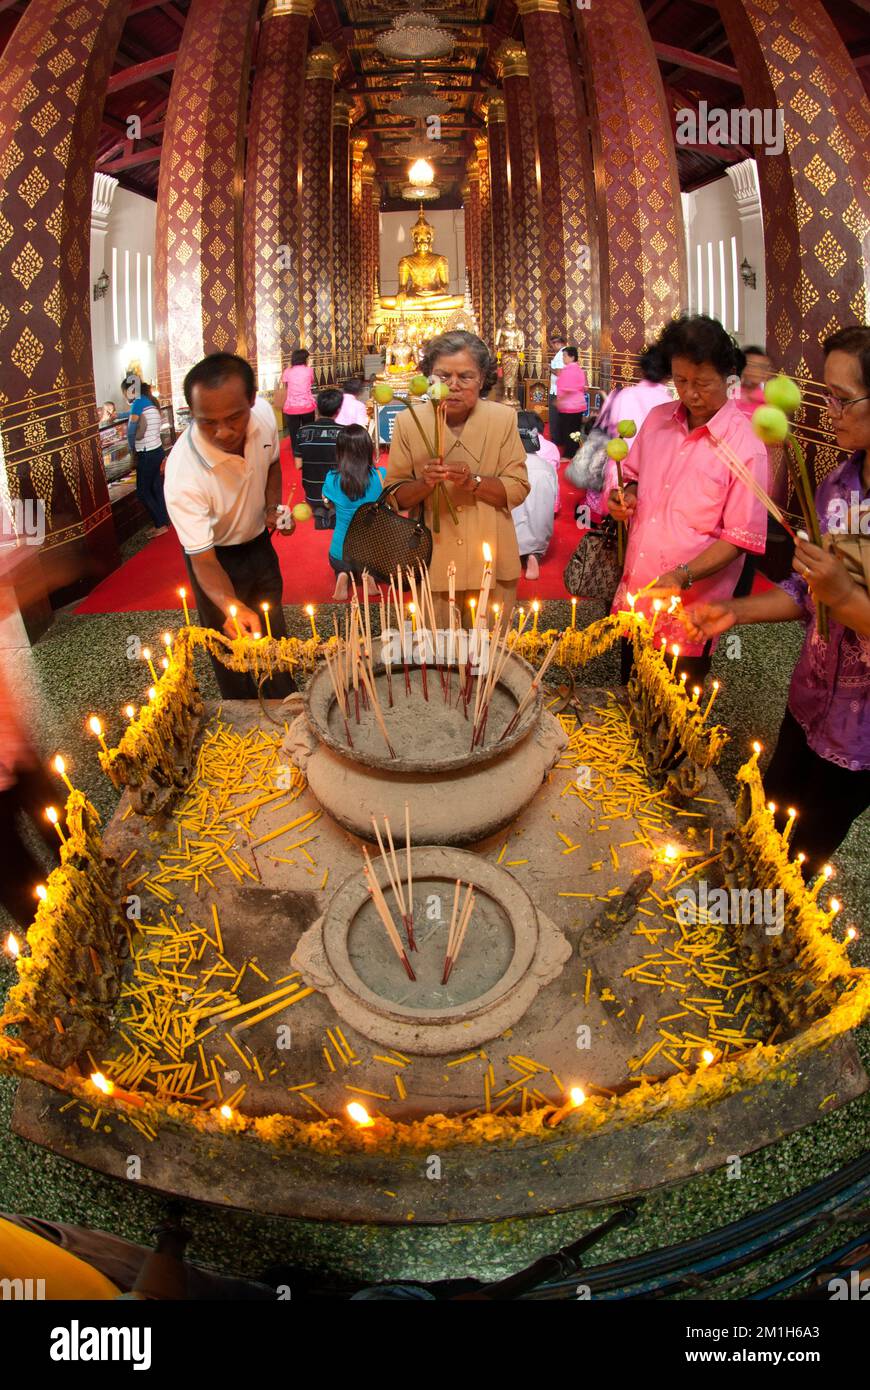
(151, 579)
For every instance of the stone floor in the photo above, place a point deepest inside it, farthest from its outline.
(80, 667)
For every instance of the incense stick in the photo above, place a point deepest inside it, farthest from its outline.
(385, 915)
(532, 690)
(410, 879)
(456, 928)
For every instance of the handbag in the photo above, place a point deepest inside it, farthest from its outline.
(587, 468)
(594, 570)
(381, 540)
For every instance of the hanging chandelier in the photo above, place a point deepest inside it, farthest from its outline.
(421, 173)
(415, 35)
(421, 194)
(420, 100)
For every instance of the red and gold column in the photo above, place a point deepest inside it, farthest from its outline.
(198, 281)
(471, 202)
(524, 187)
(815, 208)
(271, 203)
(341, 233)
(372, 235)
(359, 305)
(568, 240)
(642, 258)
(485, 312)
(315, 260)
(55, 69)
(500, 210)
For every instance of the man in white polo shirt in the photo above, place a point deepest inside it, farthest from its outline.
(557, 343)
(223, 492)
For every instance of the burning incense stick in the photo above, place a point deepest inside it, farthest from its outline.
(457, 930)
(407, 917)
(385, 915)
(532, 690)
(410, 923)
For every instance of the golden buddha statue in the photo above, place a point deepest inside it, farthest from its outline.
(400, 355)
(424, 276)
(510, 344)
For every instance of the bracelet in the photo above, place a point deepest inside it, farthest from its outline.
(687, 576)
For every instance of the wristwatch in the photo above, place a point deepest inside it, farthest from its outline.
(686, 581)
(477, 482)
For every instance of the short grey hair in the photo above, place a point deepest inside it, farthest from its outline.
(457, 340)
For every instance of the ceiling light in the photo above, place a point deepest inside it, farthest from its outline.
(421, 173)
(415, 35)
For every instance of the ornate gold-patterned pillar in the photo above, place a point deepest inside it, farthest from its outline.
(471, 202)
(485, 320)
(271, 200)
(568, 235)
(55, 69)
(500, 208)
(815, 208)
(642, 252)
(315, 261)
(372, 219)
(524, 186)
(341, 233)
(198, 279)
(359, 305)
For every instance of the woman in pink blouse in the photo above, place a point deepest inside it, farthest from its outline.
(571, 401)
(298, 405)
(690, 520)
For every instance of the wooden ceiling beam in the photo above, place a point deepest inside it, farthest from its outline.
(141, 72)
(695, 62)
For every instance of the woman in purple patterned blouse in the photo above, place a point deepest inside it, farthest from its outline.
(821, 764)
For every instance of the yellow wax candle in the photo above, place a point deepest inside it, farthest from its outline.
(52, 816)
(146, 656)
(96, 729)
(183, 596)
(412, 609)
(265, 608)
(60, 769)
(657, 608)
(710, 701)
(309, 609)
(573, 612)
(824, 876)
(130, 712)
(792, 816)
(536, 608)
(234, 614)
(676, 651)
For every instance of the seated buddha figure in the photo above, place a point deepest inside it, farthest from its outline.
(400, 355)
(424, 276)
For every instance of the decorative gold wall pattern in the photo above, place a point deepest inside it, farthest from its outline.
(341, 233)
(486, 313)
(271, 205)
(315, 261)
(500, 211)
(359, 306)
(198, 281)
(640, 223)
(527, 281)
(54, 73)
(473, 262)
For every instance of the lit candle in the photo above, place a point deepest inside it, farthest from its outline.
(670, 853)
(696, 695)
(657, 608)
(164, 662)
(451, 589)
(96, 729)
(676, 651)
(707, 1056)
(684, 676)
(41, 892)
(576, 1098)
(167, 640)
(496, 609)
(226, 1112)
(183, 596)
(359, 1115)
(486, 583)
(851, 933)
(12, 946)
(771, 806)
(834, 907)
(756, 749)
(152, 692)
(412, 609)
(710, 701)
(60, 769)
(573, 612)
(234, 614)
(822, 879)
(536, 608)
(309, 609)
(265, 608)
(792, 814)
(102, 1083)
(130, 712)
(472, 603)
(146, 656)
(51, 815)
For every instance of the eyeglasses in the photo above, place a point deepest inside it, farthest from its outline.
(464, 378)
(836, 407)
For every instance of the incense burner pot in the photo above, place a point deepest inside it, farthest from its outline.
(510, 952)
(457, 796)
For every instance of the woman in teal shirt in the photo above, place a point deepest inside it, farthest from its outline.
(354, 481)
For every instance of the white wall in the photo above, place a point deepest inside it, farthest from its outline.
(449, 228)
(123, 321)
(717, 239)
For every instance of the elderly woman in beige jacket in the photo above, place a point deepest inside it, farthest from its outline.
(483, 472)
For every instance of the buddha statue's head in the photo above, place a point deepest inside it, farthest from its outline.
(422, 235)
(510, 317)
(401, 333)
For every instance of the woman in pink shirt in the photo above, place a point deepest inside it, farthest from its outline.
(690, 520)
(353, 410)
(298, 404)
(632, 402)
(571, 401)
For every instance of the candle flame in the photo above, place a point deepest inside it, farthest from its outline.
(835, 905)
(828, 871)
(51, 814)
(472, 603)
(771, 806)
(657, 605)
(265, 607)
(232, 610)
(152, 692)
(146, 653)
(675, 649)
(792, 813)
(696, 690)
(536, 607)
(708, 1056)
(578, 1095)
(130, 711)
(226, 1112)
(631, 598)
(182, 592)
(851, 933)
(101, 1083)
(412, 607)
(41, 892)
(359, 1115)
(487, 553)
(715, 685)
(671, 853)
(12, 946)
(756, 747)
(95, 726)
(59, 765)
(309, 609)
(801, 857)
(684, 676)
(167, 639)
(164, 662)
